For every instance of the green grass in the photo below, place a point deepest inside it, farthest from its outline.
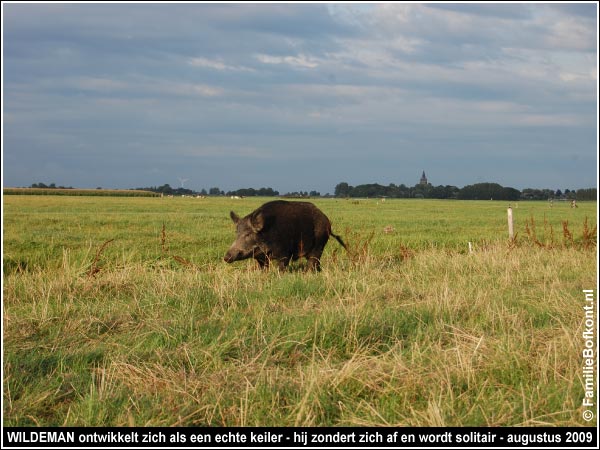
(411, 329)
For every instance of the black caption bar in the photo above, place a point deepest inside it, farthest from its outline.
(14, 437)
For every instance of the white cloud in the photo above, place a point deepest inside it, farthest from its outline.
(558, 32)
(217, 65)
(301, 60)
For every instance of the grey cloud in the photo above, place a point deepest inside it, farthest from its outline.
(360, 93)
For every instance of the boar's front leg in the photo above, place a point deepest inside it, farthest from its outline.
(282, 263)
(262, 260)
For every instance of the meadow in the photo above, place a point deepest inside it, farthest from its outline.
(121, 312)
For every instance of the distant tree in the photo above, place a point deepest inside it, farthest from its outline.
(368, 190)
(268, 192)
(488, 191)
(165, 189)
(509, 193)
(183, 191)
(537, 194)
(296, 194)
(444, 192)
(343, 190)
(214, 191)
(587, 194)
(402, 191)
(251, 192)
(423, 191)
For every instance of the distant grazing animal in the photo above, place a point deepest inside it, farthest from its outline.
(280, 232)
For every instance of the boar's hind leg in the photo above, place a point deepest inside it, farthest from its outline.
(314, 264)
(314, 260)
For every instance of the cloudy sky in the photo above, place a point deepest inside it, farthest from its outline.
(299, 96)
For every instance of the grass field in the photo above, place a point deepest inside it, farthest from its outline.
(121, 311)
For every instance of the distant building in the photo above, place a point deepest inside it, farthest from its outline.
(423, 180)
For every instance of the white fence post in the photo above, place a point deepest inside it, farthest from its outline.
(511, 233)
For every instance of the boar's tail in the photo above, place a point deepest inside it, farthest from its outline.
(339, 239)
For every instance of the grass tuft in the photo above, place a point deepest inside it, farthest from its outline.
(409, 329)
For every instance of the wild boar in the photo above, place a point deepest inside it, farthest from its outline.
(280, 232)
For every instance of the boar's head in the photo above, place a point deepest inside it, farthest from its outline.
(248, 242)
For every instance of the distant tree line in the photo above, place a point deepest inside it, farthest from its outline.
(213, 191)
(479, 191)
(250, 192)
(395, 191)
(586, 194)
(166, 189)
(50, 186)
(485, 191)
(302, 194)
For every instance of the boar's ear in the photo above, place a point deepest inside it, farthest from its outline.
(234, 217)
(257, 222)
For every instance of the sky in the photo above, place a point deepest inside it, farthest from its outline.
(299, 97)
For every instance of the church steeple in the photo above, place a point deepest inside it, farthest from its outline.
(423, 180)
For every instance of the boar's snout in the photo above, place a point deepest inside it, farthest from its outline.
(231, 256)
(236, 254)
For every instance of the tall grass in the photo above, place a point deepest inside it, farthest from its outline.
(411, 329)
